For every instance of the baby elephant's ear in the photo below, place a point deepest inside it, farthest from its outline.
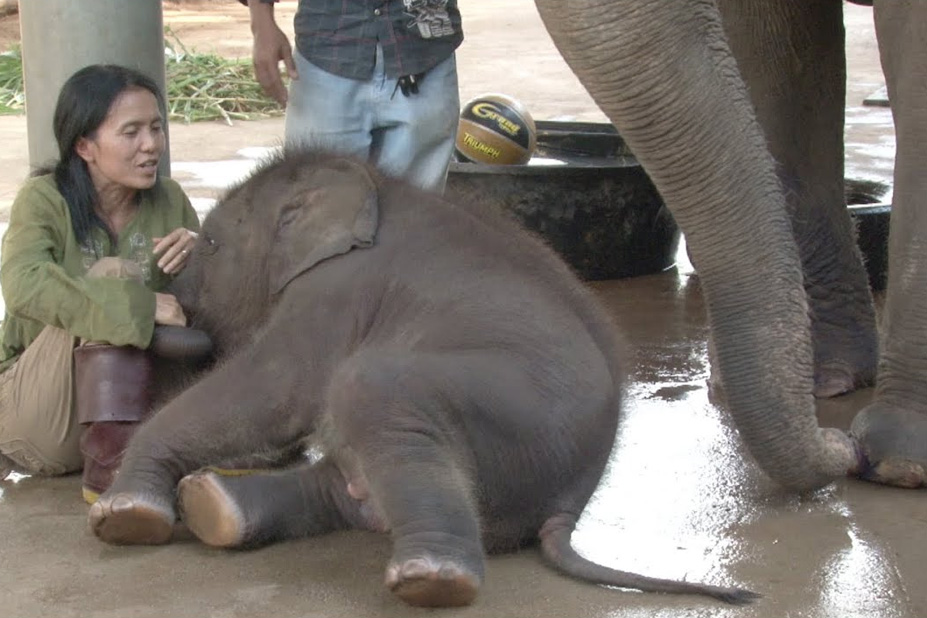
(334, 212)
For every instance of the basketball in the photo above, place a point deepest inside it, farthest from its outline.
(495, 129)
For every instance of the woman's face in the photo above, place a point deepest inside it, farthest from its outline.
(124, 151)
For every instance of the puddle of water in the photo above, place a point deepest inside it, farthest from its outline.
(673, 490)
(861, 581)
(682, 500)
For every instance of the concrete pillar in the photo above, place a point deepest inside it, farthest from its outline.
(61, 36)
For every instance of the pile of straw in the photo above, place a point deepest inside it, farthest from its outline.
(199, 86)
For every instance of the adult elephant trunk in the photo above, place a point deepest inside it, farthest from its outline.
(664, 74)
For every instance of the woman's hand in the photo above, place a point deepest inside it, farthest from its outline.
(176, 248)
(168, 311)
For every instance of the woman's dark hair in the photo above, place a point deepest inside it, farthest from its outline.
(83, 104)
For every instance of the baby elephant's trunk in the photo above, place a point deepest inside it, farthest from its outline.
(555, 545)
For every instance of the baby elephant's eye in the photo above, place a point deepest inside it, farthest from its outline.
(210, 245)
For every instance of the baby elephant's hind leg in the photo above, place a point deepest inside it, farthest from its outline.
(392, 413)
(258, 508)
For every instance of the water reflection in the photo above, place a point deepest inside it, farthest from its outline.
(682, 498)
(673, 490)
(862, 580)
(677, 479)
(11, 478)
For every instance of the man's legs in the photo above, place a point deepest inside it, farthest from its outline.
(409, 136)
(416, 133)
(328, 111)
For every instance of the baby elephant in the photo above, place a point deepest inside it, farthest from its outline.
(461, 385)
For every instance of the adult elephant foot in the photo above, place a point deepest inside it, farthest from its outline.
(846, 346)
(431, 581)
(838, 377)
(127, 518)
(894, 442)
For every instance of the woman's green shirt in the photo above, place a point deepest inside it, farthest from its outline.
(43, 268)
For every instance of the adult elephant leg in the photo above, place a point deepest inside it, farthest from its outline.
(666, 77)
(893, 429)
(792, 57)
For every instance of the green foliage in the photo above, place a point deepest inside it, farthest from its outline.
(11, 82)
(209, 87)
(199, 86)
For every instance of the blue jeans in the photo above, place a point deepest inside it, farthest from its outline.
(408, 136)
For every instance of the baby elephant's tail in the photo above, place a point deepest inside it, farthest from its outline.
(556, 547)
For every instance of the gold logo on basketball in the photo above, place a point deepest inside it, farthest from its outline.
(479, 146)
(491, 112)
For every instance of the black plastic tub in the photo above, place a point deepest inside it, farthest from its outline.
(586, 195)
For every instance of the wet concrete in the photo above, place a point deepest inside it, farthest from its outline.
(681, 498)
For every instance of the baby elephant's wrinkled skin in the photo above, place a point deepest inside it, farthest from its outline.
(463, 386)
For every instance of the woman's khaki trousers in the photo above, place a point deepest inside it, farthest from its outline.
(39, 431)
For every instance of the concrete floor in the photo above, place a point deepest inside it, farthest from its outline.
(681, 499)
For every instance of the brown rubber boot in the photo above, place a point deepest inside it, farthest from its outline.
(113, 391)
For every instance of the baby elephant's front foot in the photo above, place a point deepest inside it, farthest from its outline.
(129, 518)
(428, 581)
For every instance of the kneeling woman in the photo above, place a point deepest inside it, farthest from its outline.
(91, 244)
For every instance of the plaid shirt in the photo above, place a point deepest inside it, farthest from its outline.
(341, 36)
